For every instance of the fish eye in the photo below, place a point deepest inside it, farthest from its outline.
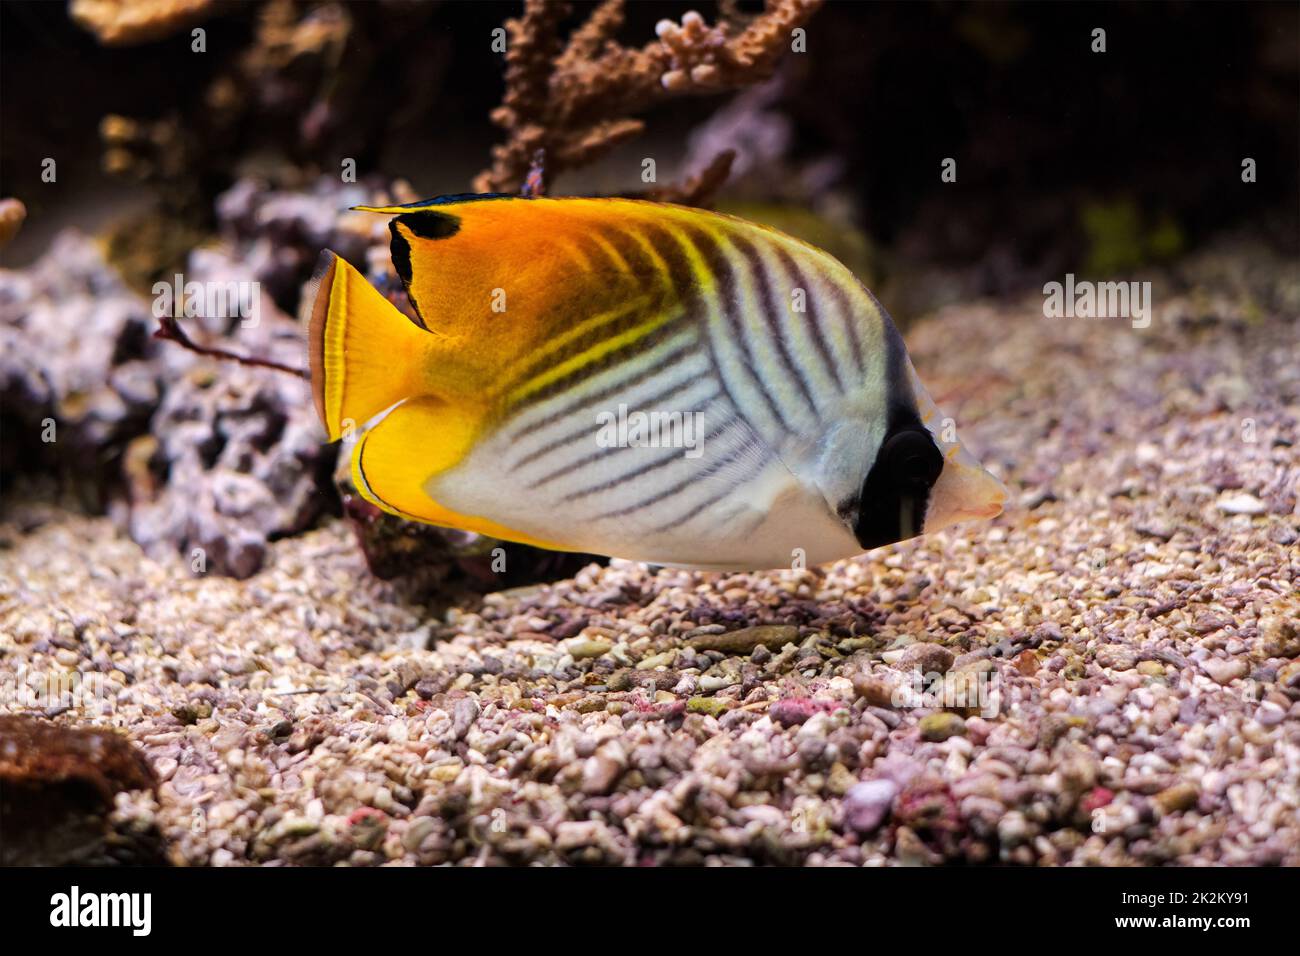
(896, 491)
(912, 459)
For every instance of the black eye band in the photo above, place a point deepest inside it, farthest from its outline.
(911, 459)
(897, 490)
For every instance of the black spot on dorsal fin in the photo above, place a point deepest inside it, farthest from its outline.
(427, 224)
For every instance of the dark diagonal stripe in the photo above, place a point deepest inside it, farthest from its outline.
(706, 503)
(639, 262)
(669, 248)
(719, 265)
(573, 466)
(584, 430)
(645, 469)
(630, 318)
(850, 320)
(772, 317)
(663, 290)
(578, 465)
(603, 394)
(597, 252)
(610, 359)
(795, 276)
(679, 487)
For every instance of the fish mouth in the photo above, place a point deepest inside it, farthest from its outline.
(964, 492)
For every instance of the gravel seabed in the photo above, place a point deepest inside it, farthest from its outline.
(1134, 609)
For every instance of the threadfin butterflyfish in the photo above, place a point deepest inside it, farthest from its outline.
(636, 379)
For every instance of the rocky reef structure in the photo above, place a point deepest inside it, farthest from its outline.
(215, 459)
(80, 375)
(58, 791)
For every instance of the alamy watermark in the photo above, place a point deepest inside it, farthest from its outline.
(971, 690)
(74, 908)
(1098, 300)
(638, 429)
(191, 300)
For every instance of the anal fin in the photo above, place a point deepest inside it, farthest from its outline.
(416, 440)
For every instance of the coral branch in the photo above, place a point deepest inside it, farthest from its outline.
(580, 99)
(699, 189)
(170, 330)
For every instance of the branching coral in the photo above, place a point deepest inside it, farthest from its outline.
(698, 189)
(579, 99)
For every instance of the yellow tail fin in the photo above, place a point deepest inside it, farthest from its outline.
(364, 354)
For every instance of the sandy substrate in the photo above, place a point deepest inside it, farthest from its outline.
(1131, 620)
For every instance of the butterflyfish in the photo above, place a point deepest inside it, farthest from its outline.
(636, 379)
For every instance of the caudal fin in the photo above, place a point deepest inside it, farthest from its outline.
(364, 354)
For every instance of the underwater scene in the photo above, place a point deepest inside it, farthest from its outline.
(640, 434)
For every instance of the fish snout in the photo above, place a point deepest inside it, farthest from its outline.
(965, 491)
